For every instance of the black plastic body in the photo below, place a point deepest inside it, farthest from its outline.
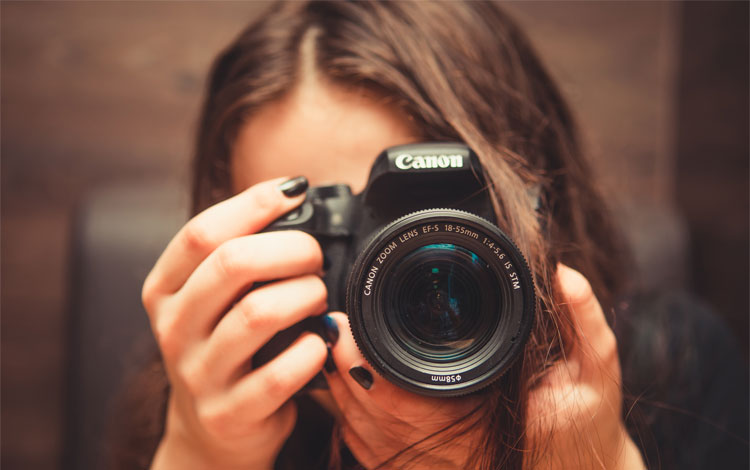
(403, 179)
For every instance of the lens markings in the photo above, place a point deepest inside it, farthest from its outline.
(432, 228)
(416, 362)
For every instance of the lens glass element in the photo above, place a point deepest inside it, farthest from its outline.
(441, 302)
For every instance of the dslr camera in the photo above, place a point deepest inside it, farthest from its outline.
(440, 300)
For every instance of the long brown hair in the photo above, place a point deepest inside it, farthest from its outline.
(459, 71)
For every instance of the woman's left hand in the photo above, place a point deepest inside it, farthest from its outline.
(381, 420)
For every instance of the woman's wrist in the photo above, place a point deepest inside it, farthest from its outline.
(175, 454)
(172, 455)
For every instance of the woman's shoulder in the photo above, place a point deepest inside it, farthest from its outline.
(685, 379)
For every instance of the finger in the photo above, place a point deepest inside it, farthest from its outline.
(257, 317)
(383, 395)
(348, 408)
(260, 393)
(587, 317)
(195, 309)
(243, 214)
(356, 421)
(219, 420)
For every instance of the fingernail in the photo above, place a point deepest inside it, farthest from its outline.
(331, 330)
(362, 376)
(329, 365)
(294, 187)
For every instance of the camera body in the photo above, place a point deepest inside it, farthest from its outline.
(414, 260)
(402, 180)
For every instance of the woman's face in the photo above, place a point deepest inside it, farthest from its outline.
(324, 132)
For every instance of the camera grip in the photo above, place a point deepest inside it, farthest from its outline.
(326, 215)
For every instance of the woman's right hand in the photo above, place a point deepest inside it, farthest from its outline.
(222, 414)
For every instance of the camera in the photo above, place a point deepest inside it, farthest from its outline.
(440, 300)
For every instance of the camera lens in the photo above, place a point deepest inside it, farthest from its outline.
(441, 302)
(434, 301)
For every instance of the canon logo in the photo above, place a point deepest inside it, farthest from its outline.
(407, 161)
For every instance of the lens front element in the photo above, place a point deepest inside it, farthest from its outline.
(441, 302)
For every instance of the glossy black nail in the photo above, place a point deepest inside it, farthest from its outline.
(330, 330)
(329, 365)
(294, 187)
(362, 376)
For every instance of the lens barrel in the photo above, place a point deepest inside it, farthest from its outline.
(441, 302)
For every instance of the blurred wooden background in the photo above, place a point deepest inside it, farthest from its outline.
(95, 93)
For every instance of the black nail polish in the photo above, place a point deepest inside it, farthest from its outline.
(362, 376)
(329, 365)
(294, 187)
(331, 330)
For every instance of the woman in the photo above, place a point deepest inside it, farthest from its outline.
(319, 89)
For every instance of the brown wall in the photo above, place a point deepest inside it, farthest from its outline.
(94, 93)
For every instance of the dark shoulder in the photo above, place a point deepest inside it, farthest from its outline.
(685, 382)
